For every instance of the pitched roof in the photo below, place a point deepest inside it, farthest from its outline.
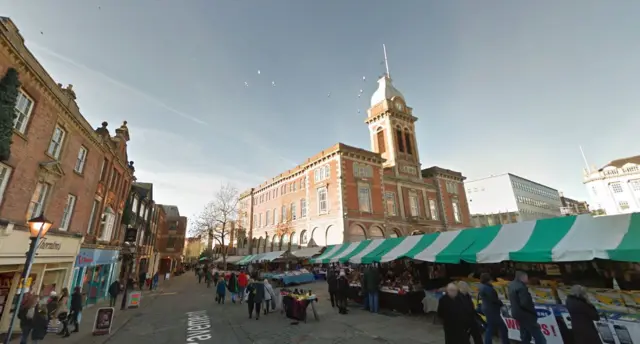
(171, 210)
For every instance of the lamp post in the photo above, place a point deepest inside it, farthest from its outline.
(127, 263)
(38, 226)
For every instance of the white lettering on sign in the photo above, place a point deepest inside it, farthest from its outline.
(198, 327)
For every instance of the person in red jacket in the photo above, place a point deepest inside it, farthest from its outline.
(243, 280)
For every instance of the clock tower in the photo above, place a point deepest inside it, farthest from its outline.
(392, 128)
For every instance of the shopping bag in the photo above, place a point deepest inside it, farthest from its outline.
(53, 326)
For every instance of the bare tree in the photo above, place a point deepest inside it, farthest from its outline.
(216, 219)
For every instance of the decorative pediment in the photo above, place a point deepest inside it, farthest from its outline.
(50, 172)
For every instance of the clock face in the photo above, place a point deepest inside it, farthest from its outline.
(399, 106)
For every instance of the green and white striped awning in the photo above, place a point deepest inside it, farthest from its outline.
(560, 239)
(247, 259)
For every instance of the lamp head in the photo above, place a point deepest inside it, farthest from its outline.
(39, 225)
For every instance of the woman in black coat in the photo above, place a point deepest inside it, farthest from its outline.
(583, 314)
(454, 313)
(342, 292)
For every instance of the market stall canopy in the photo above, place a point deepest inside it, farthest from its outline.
(560, 239)
(230, 259)
(246, 259)
(306, 252)
(269, 256)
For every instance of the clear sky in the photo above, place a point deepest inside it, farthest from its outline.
(498, 86)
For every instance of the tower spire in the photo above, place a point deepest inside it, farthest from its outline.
(386, 61)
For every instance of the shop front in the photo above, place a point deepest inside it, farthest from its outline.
(94, 271)
(52, 268)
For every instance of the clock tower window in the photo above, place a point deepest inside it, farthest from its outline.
(399, 139)
(382, 148)
(408, 137)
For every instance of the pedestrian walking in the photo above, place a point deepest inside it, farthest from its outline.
(63, 312)
(243, 281)
(208, 277)
(454, 314)
(142, 279)
(40, 324)
(471, 314)
(491, 306)
(233, 287)
(255, 291)
(26, 315)
(524, 311)
(75, 313)
(583, 315)
(114, 290)
(221, 290)
(342, 292)
(372, 277)
(332, 281)
(269, 296)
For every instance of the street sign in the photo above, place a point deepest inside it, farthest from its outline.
(103, 322)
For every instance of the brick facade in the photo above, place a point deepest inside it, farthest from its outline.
(172, 230)
(369, 194)
(50, 106)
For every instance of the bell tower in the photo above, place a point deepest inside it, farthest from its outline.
(392, 127)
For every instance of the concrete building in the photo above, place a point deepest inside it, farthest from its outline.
(56, 168)
(517, 198)
(615, 188)
(349, 194)
(573, 207)
(172, 230)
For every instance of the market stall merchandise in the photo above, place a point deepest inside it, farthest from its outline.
(291, 277)
(295, 303)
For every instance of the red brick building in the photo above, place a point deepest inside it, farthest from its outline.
(61, 167)
(346, 193)
(172, 230)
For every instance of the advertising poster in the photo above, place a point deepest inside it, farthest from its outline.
(134, 299)
(614, 328)
(104, 321)
(546, 319)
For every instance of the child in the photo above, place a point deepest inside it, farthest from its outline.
(221, 290)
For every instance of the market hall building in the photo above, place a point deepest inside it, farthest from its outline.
(349, 194)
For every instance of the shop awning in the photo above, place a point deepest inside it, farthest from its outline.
(268, 256)
(307, 252)
(561, 239)
(328, 252)
(246, 259)
(233, 259)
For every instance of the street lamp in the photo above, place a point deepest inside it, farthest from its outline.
(38, 226)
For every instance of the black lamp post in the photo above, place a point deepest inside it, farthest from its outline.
(127, 264)
(38, 226)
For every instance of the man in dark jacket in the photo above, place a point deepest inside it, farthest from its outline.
(332, 281)
(524, 311)
(491, 305)
(372, 283)
(114, 290)
(76, 308)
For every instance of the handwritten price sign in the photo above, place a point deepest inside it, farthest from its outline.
(547, 322)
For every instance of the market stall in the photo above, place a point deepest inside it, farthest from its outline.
(545, 245)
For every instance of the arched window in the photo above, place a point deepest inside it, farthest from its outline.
(400, 140)
(382, 147)
(409, 142)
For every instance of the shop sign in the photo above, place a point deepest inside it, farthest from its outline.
(134, 299)
(91, 257)
(45, 244)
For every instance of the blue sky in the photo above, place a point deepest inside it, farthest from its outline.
(498, 86)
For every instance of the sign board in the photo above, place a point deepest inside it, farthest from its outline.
(546, 320)
(104, 321)
(134, 299)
